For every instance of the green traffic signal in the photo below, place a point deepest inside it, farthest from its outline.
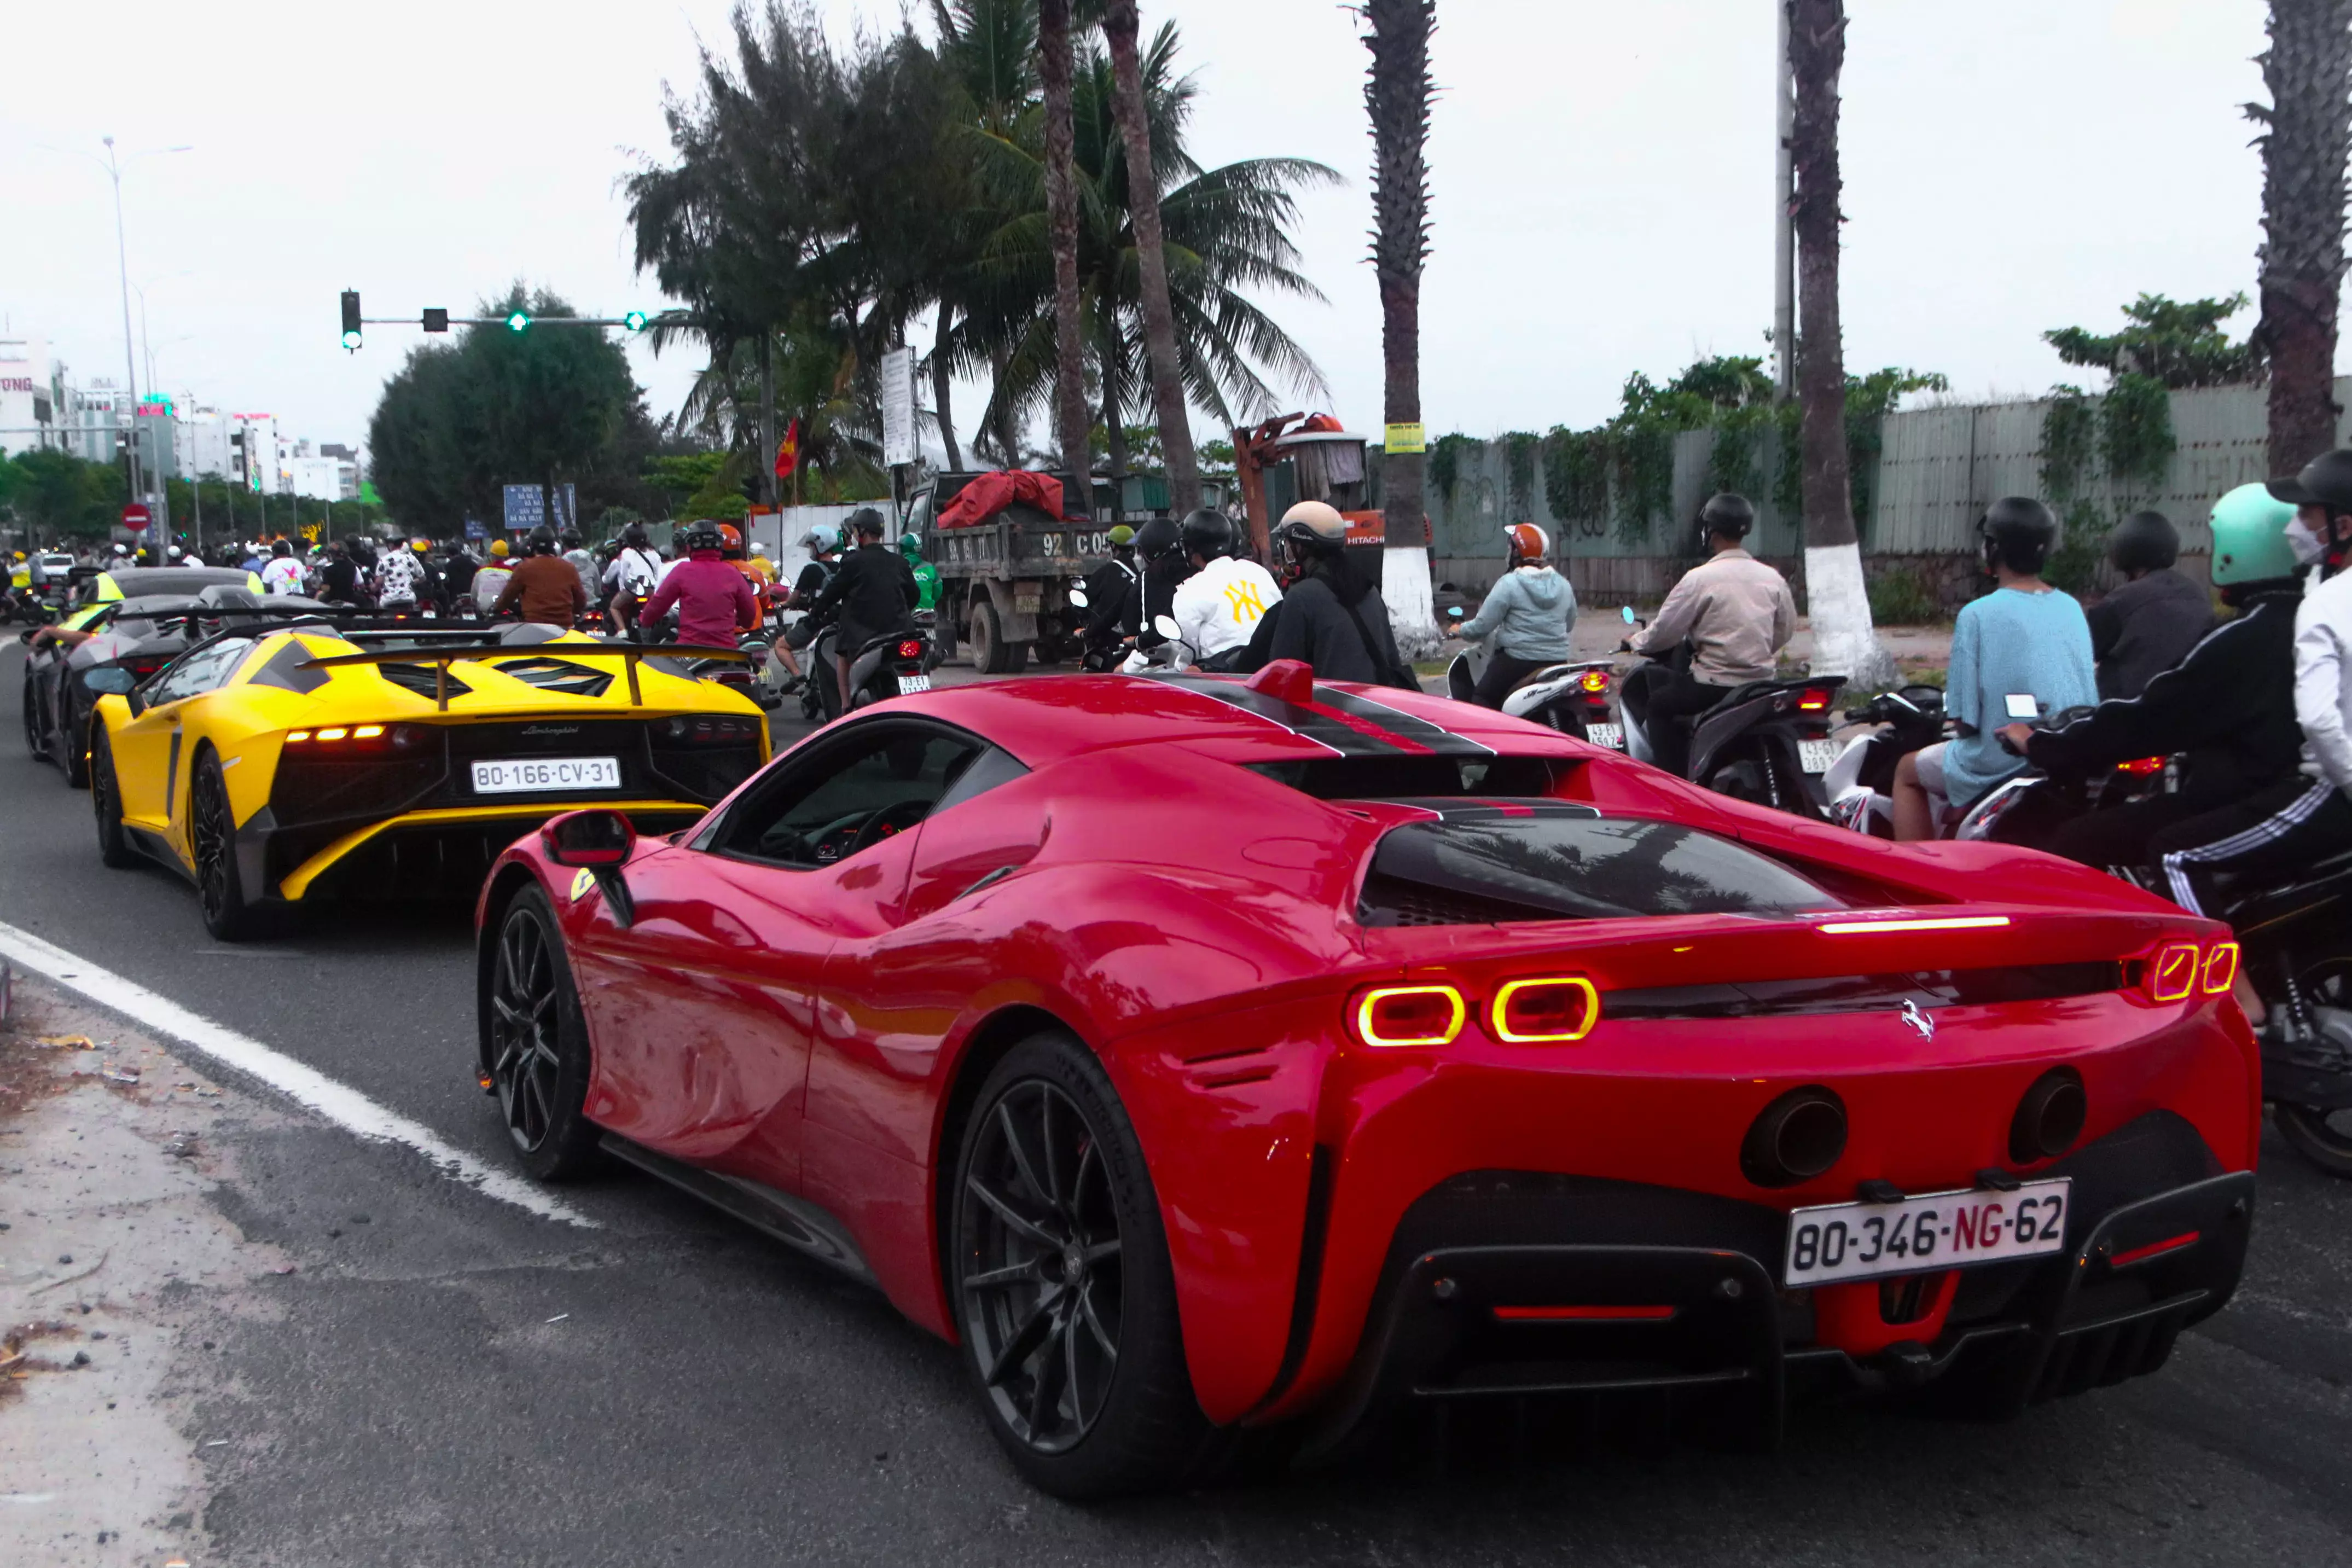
(352, 339)
(635, 320)
(517, 321)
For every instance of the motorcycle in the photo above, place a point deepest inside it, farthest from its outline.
(1860, 784)
(2030, 807)
(1572, 697)
(2296, 946)
(1766, 742)
(896, 664)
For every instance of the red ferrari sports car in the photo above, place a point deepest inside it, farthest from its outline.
(1206, 1056)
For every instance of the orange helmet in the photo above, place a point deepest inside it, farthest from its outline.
(1528, 542)
(731, 541)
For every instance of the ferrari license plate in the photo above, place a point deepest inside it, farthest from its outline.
(520, 775)
(1609, 735)
(1942, 1230)
(910, 684)
(1816, 756)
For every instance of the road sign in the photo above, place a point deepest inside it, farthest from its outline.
(899, 407)
(525, 507)
(475, 529)
(136, 516)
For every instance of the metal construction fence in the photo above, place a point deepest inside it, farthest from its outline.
(1918, 500)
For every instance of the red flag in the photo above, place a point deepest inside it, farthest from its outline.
(788, 451)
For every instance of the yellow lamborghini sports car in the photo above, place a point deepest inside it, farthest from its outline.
(283, 767)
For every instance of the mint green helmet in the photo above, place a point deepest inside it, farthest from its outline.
(2250, 537)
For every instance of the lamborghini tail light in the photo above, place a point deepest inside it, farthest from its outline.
(2220, 970)
(2173, 973)
(1545, 1012)
(1390, 1015)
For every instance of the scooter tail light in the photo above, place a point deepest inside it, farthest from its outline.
(1556, 1011)
(911, 650)
(2172, 973)
(1394, 1015)
(2141, 767)
(2220, 970)
(1815, 698)
(1595, 681)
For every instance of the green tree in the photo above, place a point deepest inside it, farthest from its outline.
(2176, 342)
(58, 496)
(2306, 128)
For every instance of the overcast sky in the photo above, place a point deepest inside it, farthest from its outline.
(1603, 175)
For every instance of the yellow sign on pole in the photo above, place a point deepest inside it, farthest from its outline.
(1406, 438)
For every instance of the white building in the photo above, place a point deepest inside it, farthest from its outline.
(28, 401)
(201, 444)
(327, 478)
(255, 458)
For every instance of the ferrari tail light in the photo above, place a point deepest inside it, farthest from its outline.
(1391, 1015)
(2220, 970)
(1595, 681)
(2141, 767)
(2173, 973)
(1815, 698)
(1545, 1012)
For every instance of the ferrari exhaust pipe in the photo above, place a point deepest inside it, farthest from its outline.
(2049, 1118)
(1795, 1138)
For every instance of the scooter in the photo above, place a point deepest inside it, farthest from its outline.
(1861, 784)
(2297, 951)
(2029, 808)
(1766, 742)
(1571, 698)
(896, 664)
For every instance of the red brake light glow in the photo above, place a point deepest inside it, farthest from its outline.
(2141, 766)
(2220, 968)
(1815, 699)
(2173, 974)
(1545, 1012)
(2153, 1249)
(1940, 922)
(910, 650)
(1410, 1015)
(1595, 681)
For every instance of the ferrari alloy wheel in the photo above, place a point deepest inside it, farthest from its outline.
(106, 799)
(211, 839)
(535, 1043)
(1061, 1285)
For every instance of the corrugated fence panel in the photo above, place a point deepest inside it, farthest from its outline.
(1925, 493)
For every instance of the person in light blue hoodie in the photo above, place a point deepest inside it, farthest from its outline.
(1528, 614)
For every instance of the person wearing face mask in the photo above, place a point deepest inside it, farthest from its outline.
(2227, 708)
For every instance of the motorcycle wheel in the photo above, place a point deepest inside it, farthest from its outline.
(2321, 1135)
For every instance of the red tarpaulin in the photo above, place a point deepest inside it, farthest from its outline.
(989, 494)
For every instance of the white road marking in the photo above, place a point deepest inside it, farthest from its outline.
(345, 1106)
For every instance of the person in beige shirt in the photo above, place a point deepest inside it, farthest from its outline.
(1736, 613)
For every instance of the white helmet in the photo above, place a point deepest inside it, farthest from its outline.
(173, 552)
(758, 549)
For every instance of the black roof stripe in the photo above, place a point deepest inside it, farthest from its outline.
(1420, 731)
(1304, 722)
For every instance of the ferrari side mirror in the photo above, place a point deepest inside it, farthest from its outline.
(590, 840)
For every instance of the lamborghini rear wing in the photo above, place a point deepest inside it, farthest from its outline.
(441, 658)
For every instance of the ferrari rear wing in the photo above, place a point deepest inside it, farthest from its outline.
(441, 658)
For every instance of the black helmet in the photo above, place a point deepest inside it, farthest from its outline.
(865, 523)
(2325, 480)
(1158, 537)
(1208, 533)
(2144, 542)
(1727, 515)
(701, 535)
(542, 541)
(2018, 532)
(636, 537)
(571, 539)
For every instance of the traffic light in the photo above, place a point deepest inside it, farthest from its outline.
(635, 320)
(517, 321)
(436, 320)
(350, 321)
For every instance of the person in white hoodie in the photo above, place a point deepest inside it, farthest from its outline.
(1220, 606)
(1529, 614)
(2307, 818)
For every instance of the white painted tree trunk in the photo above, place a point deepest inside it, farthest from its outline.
(1845, 642)
(1413, 607)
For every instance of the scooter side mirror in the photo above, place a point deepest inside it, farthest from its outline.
(1627, 610)
(1078, 597)
(1167, 627)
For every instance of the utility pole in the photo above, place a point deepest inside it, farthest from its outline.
(1784, 231)
(130, 355)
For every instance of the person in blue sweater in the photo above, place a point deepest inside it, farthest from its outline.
(1529, 614)
(2021, 652)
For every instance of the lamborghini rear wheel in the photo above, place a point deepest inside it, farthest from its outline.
(212, 833)
(106, 799)
(73, 735)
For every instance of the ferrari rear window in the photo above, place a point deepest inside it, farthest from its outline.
(1556, 866)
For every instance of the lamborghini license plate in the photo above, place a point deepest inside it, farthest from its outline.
(910, 684)
(1915, 1235)
(521, 775)
(1815, 756)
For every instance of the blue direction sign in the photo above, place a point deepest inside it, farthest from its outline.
(525, 507)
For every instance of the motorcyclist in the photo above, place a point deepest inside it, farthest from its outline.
(1529, 614)
(875, 590)
(1333, 618)
(2229, 704)
(628, 577)
(339, 580)
(492, 580)
(457, 569)
(2022, 650)
(1735, 612)
(927, 576)
(2150, 624)
(1114, 599)
(1160, 547)
(824, 547)
(2307, 817)
(284, 573)
(399, 581)
(1221, 603)
(715, 602)
(544, 589)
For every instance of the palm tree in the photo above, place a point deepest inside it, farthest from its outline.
(1397, 97)
(2308, 71)
(1844, 643)
(1062, 223)
(1222, 231)
(1120, 27)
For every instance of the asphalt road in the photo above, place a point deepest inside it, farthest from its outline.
(711, 1398)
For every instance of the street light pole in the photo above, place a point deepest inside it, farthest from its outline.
(130, 356)
(1784, 234)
